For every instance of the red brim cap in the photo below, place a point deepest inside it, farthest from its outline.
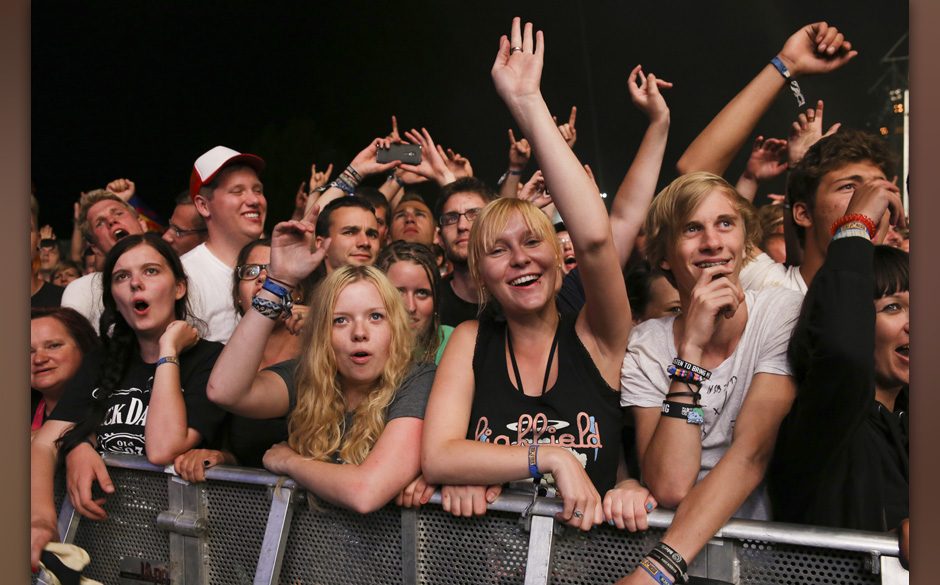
(209, 164)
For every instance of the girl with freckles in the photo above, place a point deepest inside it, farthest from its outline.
(143, 393)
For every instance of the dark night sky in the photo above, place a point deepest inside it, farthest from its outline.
(140, 89)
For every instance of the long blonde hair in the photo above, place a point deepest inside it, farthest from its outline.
(317, 423)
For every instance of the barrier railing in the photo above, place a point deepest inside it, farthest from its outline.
(238, 528)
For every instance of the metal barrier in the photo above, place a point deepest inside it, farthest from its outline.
(236, 528)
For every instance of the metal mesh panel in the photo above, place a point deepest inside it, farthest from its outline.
(131, 528)
(603, 555)
(785, 564)
(482, 549)
(237, 515)
(343, 547)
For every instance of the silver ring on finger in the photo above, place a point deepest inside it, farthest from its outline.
(514, 49)
(578, 514)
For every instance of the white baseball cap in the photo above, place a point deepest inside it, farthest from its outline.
(209, 164)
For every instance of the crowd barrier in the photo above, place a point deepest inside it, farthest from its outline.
(238, 528)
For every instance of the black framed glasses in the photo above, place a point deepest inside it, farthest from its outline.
(180, 232)
(249, 271)
(453, 217)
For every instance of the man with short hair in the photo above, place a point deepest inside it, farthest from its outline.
(383, 210)
(458, 206)
(104, 218)
(412, 221)
(187, 228)
(228, 194)
(819, 189)
(350, 224)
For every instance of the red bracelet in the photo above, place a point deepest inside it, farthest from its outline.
(869, 224)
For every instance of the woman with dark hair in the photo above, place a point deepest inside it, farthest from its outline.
(413, 270)
(842, 452)
(59, 338)
(249, 438)
(142, 393)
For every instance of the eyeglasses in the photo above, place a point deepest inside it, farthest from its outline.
(249, 271)
(180, 232)
(453, 217)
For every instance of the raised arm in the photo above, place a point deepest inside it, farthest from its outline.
(814, 49)
(605, 319)
(236, 384)
(767, 161)
(628, 210)
(519, 153)
(362, 166)
(432, 165)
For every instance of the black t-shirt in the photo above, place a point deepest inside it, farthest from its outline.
(123, 428)
(580, 412)
(570, 299)
(48, 295)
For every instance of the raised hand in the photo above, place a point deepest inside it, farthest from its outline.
(646, 96)
(517, 70)
(805, 132)
(457, 164)
(394, 136)
(365, 163)
(319, 179)
(292, 254)
(46, 233)
(814, 49)
(432, 163)
(519, 152)
(123, 188)
(534, 191)
(767, 159)
(568, 131)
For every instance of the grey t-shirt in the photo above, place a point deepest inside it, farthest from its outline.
(410, 400)
(772, 314)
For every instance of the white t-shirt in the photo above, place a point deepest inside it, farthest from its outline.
(210, 292)
(84, 295)
(772, 314)
(763, 271)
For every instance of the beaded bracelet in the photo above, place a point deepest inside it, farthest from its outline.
(850, 233)
(687, 376)
(852, 218)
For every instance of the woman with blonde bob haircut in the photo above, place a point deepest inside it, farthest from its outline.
(353, 396)
(532, 398)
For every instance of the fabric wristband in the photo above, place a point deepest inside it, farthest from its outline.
(851, 233)
(268, 308)
(853, 218)
(794, 86)
(654, 572)
(690, 413)
(283, 295)
(170, 359)
(534, 461)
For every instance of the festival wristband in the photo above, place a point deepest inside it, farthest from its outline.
(170, 359)
(794, 86)
(672, 561)
(691, 414)
(681, 363)
(266, 307)
(654, 572)
(534, 461)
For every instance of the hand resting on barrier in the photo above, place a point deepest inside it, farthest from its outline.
(627, 505)
(192, 465)
(415, 493)
(468, 500)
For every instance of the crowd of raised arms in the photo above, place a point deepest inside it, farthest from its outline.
(414, 327)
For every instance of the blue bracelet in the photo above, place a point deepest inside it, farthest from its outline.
(534, 461)
(794, 86)
(272, 287)
(168, 360)
(657, 575)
